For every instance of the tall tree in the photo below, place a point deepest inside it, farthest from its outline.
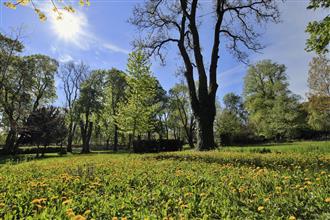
(319, 95)
(72, 75)
(16, 100)
(272, 107)
(168, 21)
(180, 102)
(319, 76)
(319, 31)
(90, 103)
(136, 114)
(115, 93)
(43, 70)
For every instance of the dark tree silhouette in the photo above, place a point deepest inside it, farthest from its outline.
(44, 126)
(168, 21)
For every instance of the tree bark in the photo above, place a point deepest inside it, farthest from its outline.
(86, 133)
(205, 121)
(10, 142)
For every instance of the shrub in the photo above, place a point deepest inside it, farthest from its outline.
(154, 146)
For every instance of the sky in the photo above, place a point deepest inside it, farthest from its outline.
(100, 36)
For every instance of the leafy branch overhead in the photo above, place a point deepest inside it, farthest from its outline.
(58, 7)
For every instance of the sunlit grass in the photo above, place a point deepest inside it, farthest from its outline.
(186, 185)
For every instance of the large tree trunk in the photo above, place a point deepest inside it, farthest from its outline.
(205, 122)
(86, 133)
(10, 142)
(72, 130)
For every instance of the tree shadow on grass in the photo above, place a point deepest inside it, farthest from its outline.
(16, 159)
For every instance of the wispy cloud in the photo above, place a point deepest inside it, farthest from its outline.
(65, 58)
(115, 48)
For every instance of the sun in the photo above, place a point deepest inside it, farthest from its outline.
(69, 27)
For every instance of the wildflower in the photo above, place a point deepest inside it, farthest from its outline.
(87, 212)
(67, 201)
(292, 217)
(38, 201)
(261, 208)
(327, 200)
(266, 199)
(70, 213)
(323, 172)
(78, 217)
(114, 218)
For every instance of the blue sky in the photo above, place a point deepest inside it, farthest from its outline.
(103, 40)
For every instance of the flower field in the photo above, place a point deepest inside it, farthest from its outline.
(185, 185)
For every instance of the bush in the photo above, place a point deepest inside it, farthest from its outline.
(41, 150)
(154, 146)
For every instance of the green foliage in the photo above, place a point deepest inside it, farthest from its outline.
(135, 115)
(273, 110)
(319, 31)
(44, 126)
(186, 185)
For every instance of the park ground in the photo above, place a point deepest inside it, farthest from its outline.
(286, 181)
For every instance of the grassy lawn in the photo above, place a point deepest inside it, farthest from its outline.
(226, 184)
(298, 147)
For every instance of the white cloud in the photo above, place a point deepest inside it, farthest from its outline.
(115, 48)
(65, 58)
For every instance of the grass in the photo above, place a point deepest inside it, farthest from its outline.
(297, 147)
(225, 184)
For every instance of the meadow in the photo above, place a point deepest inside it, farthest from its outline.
(289, 182)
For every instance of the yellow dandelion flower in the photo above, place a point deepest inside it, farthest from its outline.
(318, 179)
(114, 218)
(67, 201)
(323, 172)
(266, 199)
(261, 208)
(327, 200)
(78, 217)
(123, 218)
(292, 217)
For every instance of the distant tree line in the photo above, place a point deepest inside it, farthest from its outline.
(114, 108)
(269, 111)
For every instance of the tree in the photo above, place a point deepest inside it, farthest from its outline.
(319, 31)
(43, 70)
(234, 104)
(15, 100)
(72, 75)
(272, 108)
(319, 95)
(45, 126)
(319, 76)
(114, 95)
(90, 103)
(135, 115)
(231, 124)
(168, 21)
(58, 11)
(179, 99)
